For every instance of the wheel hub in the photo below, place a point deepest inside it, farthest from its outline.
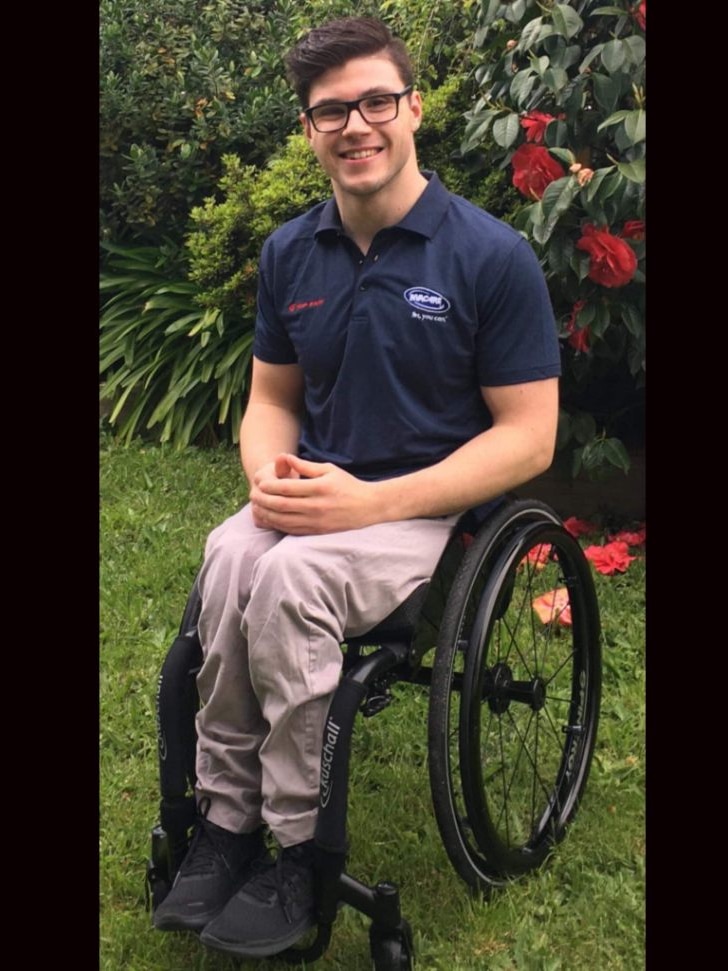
(500, 689)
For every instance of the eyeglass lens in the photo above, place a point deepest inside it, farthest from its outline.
(375, 110)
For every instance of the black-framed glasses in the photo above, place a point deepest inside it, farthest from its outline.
(375, 109)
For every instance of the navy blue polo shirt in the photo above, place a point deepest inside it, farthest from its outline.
(395, 345)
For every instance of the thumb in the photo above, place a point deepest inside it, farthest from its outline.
(283, 468)
(309, 470)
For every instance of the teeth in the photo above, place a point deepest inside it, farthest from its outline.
(364, 153)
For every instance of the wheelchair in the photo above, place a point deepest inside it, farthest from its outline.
(507, 638)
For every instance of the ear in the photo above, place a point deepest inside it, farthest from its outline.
(415, 103)
(306, 125)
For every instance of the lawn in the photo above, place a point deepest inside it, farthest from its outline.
(584, 909)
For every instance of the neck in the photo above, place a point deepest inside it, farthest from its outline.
(362, 216)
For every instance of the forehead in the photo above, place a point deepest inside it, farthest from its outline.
(358, 77)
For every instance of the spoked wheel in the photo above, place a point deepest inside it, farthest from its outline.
(515, 696)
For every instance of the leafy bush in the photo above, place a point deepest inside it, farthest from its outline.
(563, 109)
(168, 363)
(185, 82)
(181, 83)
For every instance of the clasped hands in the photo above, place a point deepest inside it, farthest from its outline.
(293, 495)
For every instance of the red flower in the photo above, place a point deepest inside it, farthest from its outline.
(634, 229)
(534, 168)
(639, 12)
(631, 538)
(610, 558)
(535, 123)
(579, 527)
(553, 606)
(578, 336)
(612, 261)
(539, 556)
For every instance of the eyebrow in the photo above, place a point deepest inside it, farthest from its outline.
(369, 93)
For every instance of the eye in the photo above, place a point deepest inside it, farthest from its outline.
(329, 112)
(380, 102)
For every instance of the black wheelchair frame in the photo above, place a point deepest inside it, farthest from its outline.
(507, 637)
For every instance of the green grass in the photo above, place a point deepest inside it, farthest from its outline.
(585, 909)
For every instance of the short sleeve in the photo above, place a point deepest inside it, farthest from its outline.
(517, 336)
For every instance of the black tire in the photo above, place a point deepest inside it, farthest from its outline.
(191, 614)
(514, 704)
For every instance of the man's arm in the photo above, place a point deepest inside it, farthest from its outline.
(272, 421)
(518, 446)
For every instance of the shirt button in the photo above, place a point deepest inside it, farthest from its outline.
(363, 286)
(375, 257)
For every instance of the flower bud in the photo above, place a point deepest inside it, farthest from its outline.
(585, 176)
(511, 44)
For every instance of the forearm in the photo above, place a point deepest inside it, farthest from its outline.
(499, 459)
(266, 431)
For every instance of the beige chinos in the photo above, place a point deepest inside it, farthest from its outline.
(275, 609)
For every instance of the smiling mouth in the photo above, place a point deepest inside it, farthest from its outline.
(355, 154)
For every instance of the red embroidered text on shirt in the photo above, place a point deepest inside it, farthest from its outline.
(304, 305)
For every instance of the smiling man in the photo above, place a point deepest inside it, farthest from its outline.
(405, 370)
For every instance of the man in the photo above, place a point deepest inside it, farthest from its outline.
(405, 370)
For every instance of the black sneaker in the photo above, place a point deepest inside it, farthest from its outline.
(272, 909)
(213, 869)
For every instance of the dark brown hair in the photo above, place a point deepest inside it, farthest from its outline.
(338, 41)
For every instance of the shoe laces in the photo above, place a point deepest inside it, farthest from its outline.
(207, 847)
(278, 878)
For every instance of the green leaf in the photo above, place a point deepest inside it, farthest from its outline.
(614, 55)
(531, 33)
(606, 91)
(607, 12)
(564, 155)
(597, 183)
(615, 453)
(505, 129)
(636, 48)
(566, 20)
(555, 79)
(556, 200)
(633, 319)
(561, 248)
(522, 84)
(614, 119)
(602, 319)
(635, 125)
(514, 11)
(556, 135)
(586, 314)
(634, 171)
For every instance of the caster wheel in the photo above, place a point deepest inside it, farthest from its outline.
(392, 950)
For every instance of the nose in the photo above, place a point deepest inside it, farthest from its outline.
(356, 122)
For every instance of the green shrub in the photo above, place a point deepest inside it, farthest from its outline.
(168, 363)
(562, 109)
(185, 82)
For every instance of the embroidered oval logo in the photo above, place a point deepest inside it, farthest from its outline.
(425, 299)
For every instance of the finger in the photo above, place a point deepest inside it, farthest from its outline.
(283, 468)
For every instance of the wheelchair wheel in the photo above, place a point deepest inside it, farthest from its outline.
(515, 696)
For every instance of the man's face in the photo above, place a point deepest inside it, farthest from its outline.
(362, 159)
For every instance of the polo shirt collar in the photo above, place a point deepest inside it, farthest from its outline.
(423, 218)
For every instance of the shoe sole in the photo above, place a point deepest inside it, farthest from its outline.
(174, 923)
(258, 949)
